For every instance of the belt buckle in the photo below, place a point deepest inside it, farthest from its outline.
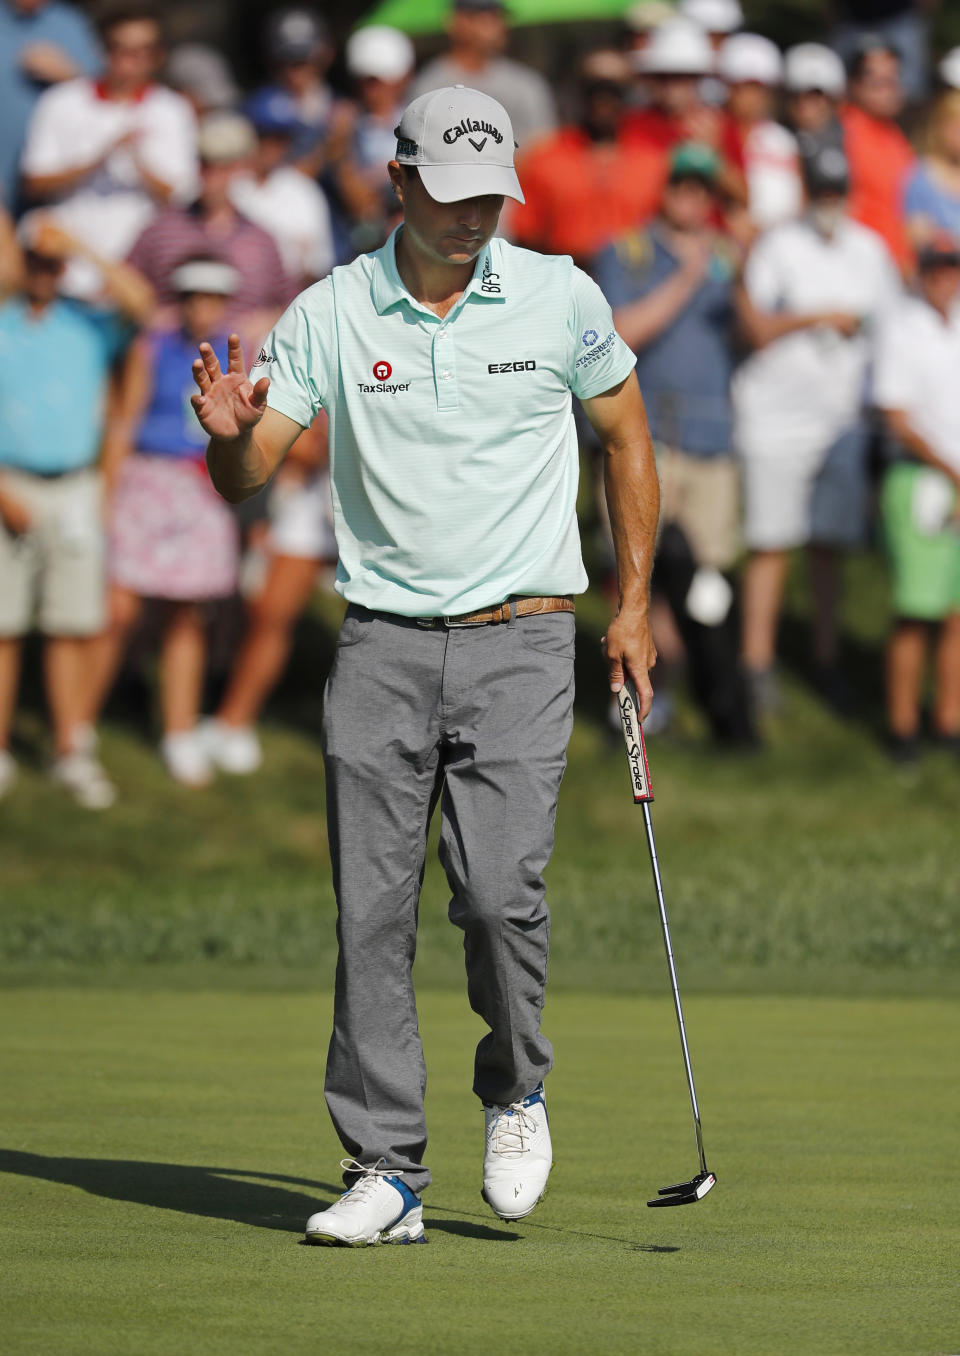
(455, 623)
(428, 623)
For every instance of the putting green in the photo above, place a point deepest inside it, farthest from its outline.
(161, 1151)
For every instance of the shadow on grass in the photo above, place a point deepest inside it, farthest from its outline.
(212, 1193)
(562, 1229)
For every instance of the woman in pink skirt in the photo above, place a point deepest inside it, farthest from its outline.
(171, 536)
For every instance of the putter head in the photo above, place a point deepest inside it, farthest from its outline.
(686, 1193)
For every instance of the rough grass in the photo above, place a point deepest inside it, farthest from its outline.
(160, 1152)
(808, 866)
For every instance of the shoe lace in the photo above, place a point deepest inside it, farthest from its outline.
(370, 1173)
(510, 1130)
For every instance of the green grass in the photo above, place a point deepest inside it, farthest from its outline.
(160, 1153)
(808, 867)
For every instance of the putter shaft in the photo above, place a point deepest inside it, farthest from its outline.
(678, 1007)
(683, 1193)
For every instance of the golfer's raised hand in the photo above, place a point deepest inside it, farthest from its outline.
(228, 404)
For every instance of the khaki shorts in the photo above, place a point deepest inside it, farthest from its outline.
(53, 576)
(702, 496)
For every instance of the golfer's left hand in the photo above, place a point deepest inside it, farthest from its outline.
(630, 652)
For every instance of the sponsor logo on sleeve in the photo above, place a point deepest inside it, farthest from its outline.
(596, 351)
(382, 371)
(263, 357)
(589, 338)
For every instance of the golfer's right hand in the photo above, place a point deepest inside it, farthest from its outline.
(228, 404)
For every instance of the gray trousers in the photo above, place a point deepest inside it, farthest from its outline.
(478, 718)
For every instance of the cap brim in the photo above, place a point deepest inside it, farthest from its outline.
(453, 183)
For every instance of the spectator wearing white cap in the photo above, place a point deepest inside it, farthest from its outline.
(478, 33)
(641, 20)
(171, 537)
(589, 181)
(672, 67)
(213, 225)
(752, 67)
(813, 291)
(277, 196)
(380, 61)
(931, 197)
(718, 19)
(107, 153)
(814, 80)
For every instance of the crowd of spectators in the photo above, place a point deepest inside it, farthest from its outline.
(781, 255)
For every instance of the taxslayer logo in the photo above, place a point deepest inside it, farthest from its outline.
(468, 125)
(382, 372)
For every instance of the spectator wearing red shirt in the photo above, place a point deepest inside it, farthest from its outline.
(673, 66)
(586, 183)
(879, 154)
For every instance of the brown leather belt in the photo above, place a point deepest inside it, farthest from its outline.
(523, 607)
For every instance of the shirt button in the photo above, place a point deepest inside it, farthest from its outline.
(445, 375)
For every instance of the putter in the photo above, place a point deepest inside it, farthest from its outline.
(682, 1193)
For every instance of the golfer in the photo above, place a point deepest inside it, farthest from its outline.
(446, 362)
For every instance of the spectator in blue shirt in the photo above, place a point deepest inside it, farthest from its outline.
(931, 199)
(671, 286)
(42, 42)
(55, 360)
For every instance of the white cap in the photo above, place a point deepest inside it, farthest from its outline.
(714, 16)
(748, 56)
(224, 137)
(949, 68)
(205, 275)
(676, 48)
(380, 51)
(810, 65)
(462, 143)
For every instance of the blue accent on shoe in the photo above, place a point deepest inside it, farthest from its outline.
(410, 1198)
(535, 1096)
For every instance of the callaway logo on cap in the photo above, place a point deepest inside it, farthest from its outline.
(461, 142)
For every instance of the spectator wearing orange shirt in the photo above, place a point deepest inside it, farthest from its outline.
(585, 184)
(673, 66)
(879, 155)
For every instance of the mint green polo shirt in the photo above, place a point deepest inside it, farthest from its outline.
(453, 453)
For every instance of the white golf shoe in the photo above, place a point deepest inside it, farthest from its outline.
(378, 1208)
(517, 1155)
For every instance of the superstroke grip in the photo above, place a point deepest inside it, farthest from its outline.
(636, 748)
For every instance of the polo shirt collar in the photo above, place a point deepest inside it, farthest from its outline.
(387, 288)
